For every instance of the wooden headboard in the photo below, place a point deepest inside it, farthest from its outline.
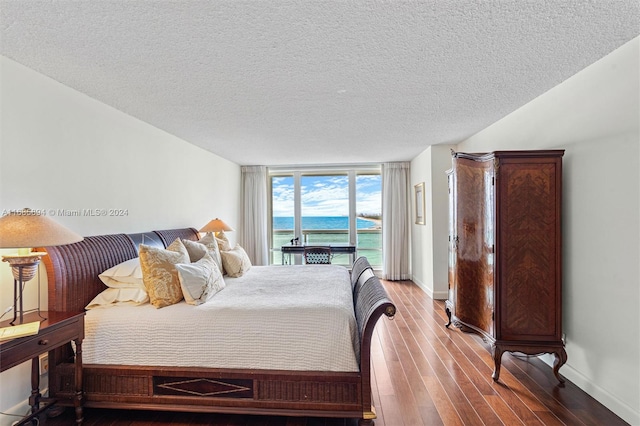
(72, 269)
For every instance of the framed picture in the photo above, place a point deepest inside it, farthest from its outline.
(419, 200)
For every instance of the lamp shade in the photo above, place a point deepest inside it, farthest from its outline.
(28, 228)
(216, 225)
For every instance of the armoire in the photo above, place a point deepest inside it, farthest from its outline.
(505, 251)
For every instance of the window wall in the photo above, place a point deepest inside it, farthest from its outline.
(327, 206)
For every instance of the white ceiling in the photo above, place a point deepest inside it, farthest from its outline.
(315, 82)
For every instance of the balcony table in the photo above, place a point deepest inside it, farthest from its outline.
(289, 249)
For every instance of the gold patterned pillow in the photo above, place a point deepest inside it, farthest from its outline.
(159, 273)
(236, 261)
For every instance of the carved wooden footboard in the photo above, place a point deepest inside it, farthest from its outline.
(73, 282)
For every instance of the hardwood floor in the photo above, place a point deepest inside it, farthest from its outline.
(423, 374)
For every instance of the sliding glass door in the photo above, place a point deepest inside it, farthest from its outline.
(327, 207)
(282, 214)
(369, 217)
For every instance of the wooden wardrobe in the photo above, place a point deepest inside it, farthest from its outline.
(505, 251)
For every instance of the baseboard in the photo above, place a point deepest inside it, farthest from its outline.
(440, 295)
(421, 285)
(620, 408)
(436, 295)
(18, 411)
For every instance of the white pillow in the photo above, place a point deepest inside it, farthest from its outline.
(236, 261)
(199, 281)
(127, 274)
(223, 241)
(195, 249)
(211, 244)
(119, 296)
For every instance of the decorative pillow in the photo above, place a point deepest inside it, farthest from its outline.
(212, 247)
(119, 296)
(200, 280)
(160, 275)
(178, 246)
(127, 274)
(236, 261)
(223, 241)
(195, 249)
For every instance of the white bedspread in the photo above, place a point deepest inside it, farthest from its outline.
(273, 317)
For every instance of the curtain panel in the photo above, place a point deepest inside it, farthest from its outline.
(396, 228)
(254, 232)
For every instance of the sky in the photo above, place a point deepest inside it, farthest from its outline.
(327, 195)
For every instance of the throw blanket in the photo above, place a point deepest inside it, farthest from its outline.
(273, 317)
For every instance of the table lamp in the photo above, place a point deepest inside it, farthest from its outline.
(216, 226)
(24, 229)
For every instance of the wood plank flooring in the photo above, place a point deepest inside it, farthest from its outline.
(423, 374)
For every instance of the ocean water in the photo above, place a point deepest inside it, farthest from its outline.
(322, 222)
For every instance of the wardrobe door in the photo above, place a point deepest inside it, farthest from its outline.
(474, 273)
(451, 296)
(529, 241)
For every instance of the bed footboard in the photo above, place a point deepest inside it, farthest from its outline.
(370, 301)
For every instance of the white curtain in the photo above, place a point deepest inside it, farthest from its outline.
(254, 232)
(396, 211)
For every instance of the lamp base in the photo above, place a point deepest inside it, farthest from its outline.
(23, 268)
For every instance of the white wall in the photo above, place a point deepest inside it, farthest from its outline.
(595, 117)
(60, 149)
(429, 242)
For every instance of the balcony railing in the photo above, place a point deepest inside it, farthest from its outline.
(369, 243)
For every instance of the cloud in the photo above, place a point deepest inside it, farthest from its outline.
(369, 194)
(326, 195)
(282, 196)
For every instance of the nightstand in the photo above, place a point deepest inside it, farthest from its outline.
(57, 330)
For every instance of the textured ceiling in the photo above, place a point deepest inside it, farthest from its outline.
(315, 82)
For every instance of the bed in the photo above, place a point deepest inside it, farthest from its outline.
(290, 389)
